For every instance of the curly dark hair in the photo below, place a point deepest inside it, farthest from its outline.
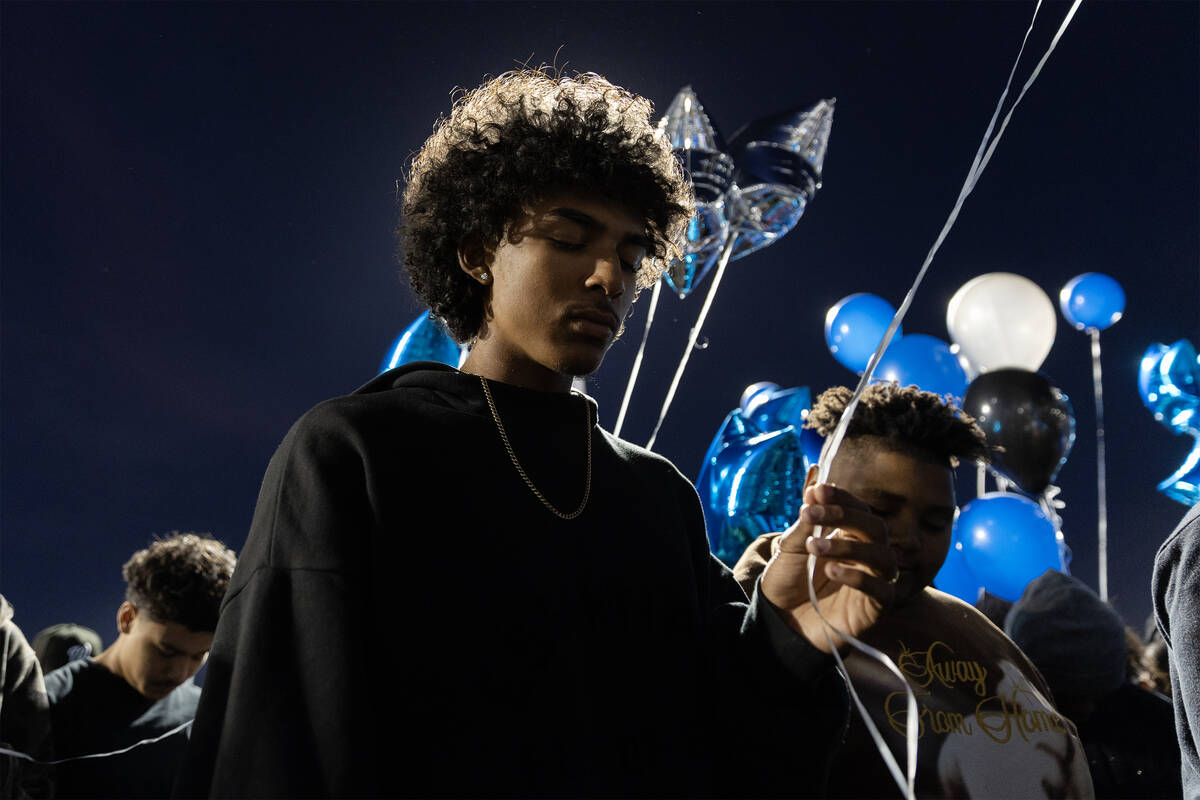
(917, 423)
(515, 140)
(180, 578)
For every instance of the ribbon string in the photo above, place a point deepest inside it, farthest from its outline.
(987, 146)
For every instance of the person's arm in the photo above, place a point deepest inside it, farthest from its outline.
(283, 699)
(1177, 610)
(855, 568)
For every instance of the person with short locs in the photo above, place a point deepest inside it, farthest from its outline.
(456, 583)
(140, 687)
(987, 726)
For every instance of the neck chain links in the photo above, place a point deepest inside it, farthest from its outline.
(587, 487)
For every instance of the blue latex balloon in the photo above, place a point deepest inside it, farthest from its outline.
(423, 340)
(1007, 541)
(925, 361)
(955, 577)
(855, 325)
(1092, 301)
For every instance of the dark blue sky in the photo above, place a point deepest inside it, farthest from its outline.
(197, 205)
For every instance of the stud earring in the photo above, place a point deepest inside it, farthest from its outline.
(483, 276)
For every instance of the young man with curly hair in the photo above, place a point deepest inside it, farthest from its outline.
(986, 721)
(432, 599)
(141, 686)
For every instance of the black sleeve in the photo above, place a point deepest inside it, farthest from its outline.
(281, 713)
(782, 707)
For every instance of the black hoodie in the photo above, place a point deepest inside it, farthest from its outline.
(407, 618)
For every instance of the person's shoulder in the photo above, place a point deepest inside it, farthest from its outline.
(182, 702)
(1185, 537)
(639, 457)
(70, 676)
(404, 402)
(947, 608)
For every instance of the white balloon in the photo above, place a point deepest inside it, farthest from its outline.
(1001, 320)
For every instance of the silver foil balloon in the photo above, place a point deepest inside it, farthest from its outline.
(779, 161)
(698, 145)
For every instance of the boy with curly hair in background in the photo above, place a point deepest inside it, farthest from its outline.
(141, 686)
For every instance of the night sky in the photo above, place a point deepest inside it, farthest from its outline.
(198, 203)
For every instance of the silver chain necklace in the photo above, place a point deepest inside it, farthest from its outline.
(587, 487)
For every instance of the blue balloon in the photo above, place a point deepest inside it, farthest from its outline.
(752, 478)
(1092, 301)
(924, 361)
(778, 409)
(423, 340)
(1007, 541)
(854, 327)
(812, 442)
(955, 577)
(1169, 383)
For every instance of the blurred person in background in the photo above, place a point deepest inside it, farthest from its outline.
(1176, 590)
(1079, 644)
(63, 643)
(140, 688)
(24, 713)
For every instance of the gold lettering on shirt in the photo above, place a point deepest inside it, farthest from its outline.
(1020, 712)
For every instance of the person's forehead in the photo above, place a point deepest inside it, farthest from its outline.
(178, 636)
(869, 466)
(587, 209)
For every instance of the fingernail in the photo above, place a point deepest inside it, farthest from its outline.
(820, 545)
(815, 513)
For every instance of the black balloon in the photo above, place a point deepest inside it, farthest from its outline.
(1028, 420)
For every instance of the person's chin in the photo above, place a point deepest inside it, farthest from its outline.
(583, 358)
(157, 691)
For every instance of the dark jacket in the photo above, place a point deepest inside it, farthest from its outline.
(1176, 589)
(407, 618)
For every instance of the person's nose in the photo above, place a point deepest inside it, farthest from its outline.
(904, 534)
(608, 274)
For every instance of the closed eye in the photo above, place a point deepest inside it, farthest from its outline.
(569, 246)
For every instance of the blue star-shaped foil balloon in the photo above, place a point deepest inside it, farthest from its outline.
(752, 478)
(1169, 383)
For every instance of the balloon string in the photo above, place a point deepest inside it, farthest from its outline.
(637, 361)
(695, 334)
(907, 780)
(1101, 489)
(982, 157)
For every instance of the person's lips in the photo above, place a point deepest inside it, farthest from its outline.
(599, 320)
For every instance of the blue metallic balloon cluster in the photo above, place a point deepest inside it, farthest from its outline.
(752, 478)
(1169, 383)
